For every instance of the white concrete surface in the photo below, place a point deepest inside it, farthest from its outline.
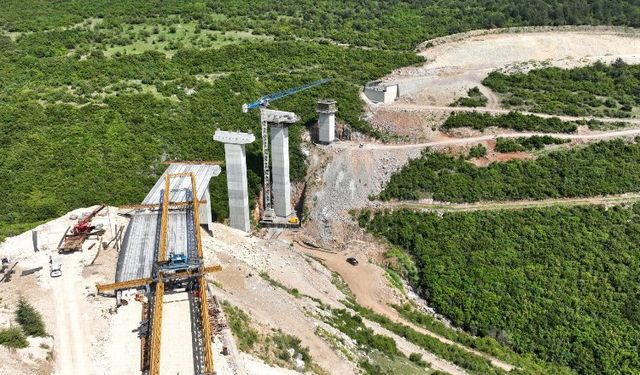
(326, 121)
(237, 184)
(280, 170)
(176, 352)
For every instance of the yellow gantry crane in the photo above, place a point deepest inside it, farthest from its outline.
(178, 268)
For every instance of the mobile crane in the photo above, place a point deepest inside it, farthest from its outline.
(80, 232)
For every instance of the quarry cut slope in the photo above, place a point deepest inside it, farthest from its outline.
(452, 68)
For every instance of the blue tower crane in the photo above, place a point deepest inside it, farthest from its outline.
(262, 103)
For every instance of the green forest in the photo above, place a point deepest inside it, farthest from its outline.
(95, 129)
(607, 167)
(94, 96)
(558, 283)
(389, 24)
(597, 90)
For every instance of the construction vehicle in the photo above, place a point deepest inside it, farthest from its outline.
(80, 232)
(177, 263)
(55, 267)
(262, 103)
(293, 220)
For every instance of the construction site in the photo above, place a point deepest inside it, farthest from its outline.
(146, 288)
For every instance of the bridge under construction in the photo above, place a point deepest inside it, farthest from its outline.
(162, 254)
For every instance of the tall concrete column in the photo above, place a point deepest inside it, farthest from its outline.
(237, 184)
(280, 169)
(326, 121)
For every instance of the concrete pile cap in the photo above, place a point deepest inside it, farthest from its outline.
(326, 106)
(278, 117)
(233, 137)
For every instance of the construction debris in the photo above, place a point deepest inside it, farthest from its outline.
(6, 277)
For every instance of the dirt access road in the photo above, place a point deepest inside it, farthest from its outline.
(508, 205)
(344, 175)
(71, 339)
(591, 136)
(430, 108)
(367, 282)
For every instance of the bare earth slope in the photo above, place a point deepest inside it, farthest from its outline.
(455, 67)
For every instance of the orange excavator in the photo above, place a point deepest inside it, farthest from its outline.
(84, 228)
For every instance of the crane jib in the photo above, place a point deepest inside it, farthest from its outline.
(264, 101)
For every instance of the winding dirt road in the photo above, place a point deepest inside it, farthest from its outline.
(368, 283)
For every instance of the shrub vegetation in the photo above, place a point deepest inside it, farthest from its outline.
(556, 283)
(30, 319)
(478, 151)
(13, 338)
(596, 90)
(474, 99)
(608, 167)
(535, 142)
(382, 24)
(513, 120)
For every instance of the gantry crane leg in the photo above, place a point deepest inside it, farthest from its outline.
(156, 330)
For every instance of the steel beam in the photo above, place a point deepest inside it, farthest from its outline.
(196, 216)
(162, 251)
(206, 327)
(123, 285)
(154, 363)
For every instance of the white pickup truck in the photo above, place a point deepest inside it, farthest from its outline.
(55, 268)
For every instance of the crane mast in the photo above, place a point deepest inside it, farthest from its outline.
(262, 103)
(268, 206)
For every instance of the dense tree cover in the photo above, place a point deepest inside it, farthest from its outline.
(610, 167)
(535, 142)
(71, 139)
(472, 363)
(560, 282)
(512, 120)
(391, 24)
(494, 343)
(599, 89)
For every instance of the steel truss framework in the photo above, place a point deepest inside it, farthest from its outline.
(192, 279)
